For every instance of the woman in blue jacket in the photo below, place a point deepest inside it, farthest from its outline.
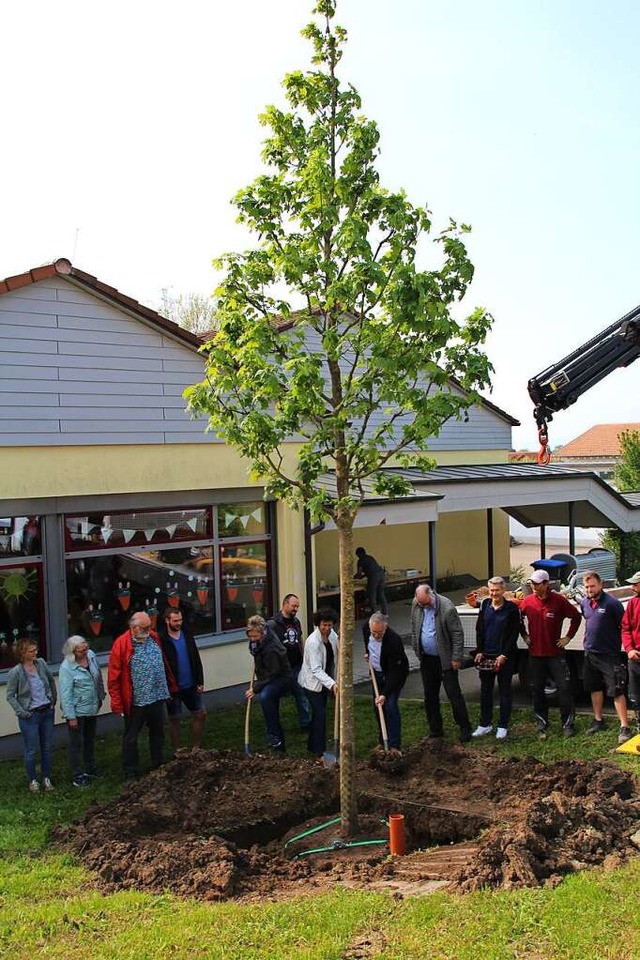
(81, 696)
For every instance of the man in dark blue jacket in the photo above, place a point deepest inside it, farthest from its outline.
(183, 657)
(604, 669)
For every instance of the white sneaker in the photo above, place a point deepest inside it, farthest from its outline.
(34, 786)
(481, 731)
(46, 783)
(501, 733)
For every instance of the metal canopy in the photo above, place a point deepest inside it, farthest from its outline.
(535, 496)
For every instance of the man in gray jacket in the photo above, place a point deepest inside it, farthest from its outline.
(438, 640)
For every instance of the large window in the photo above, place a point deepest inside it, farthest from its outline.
(20, 609)
(20, 537)
(154, 559)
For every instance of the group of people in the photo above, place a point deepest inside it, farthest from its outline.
(149, 675)
(152, 675)
(438, 641)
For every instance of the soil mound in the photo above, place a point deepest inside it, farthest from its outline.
(217, 825)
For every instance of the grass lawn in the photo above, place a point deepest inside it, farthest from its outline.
(49, 908)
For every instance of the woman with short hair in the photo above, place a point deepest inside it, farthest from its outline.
(31, 693)
(81, 696)
(318, 676)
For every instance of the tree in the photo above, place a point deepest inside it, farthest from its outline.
(360, 359)
(626, 477)
(193, 311)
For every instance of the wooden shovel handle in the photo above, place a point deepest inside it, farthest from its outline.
(247, 715)
(383, 722)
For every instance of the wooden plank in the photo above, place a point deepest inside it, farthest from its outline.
(23, 319)
(79, 439)
(124, 399)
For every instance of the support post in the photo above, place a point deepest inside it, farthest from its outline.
(543, 542)
(572, 532)
(432, 555)
(490, 551)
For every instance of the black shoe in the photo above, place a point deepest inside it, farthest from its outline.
(435, 736)
(568, 730)
(465, 735)
(82, 780)
(596, 726)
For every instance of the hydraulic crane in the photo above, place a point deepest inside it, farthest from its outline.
(560, 385)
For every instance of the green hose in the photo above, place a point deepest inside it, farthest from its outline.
(307, 833)
(340, 845)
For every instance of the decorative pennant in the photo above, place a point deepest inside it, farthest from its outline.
(244, 521)
(96, 618)
(257, 593)
(128, 535)
(173, 597)
(229, 518)
(107, 533)
(193, 523)
(171, 528)
(149, 533)
(257, 515)
(232, 593)
(203, 592)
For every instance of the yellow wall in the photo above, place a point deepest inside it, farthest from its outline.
(461, 546)
(76, 471)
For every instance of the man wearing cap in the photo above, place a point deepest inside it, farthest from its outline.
(604, 669)
(631, 643)
(545, 611)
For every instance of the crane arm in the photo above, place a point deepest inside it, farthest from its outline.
(561, 384)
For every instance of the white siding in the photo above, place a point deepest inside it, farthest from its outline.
(75, 370)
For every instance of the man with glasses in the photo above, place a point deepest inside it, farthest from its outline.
(140, 682)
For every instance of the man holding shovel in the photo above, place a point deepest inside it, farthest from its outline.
(272, 677)
(386, 655)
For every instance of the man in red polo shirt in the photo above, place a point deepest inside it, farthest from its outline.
(631, 643)
(545, 611)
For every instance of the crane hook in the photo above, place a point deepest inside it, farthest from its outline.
(544, 454)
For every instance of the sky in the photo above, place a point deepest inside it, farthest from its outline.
(128, 126)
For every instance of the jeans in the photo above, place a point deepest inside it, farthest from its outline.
(487, 683)
(302, 701)
(269, 698)
(391, 711)
(317, 740)
(432, 676)
(81, 746)
(37, 734)
(153, 716)
(558, 669)
(376, 593)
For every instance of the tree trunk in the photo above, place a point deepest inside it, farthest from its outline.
(348, 806)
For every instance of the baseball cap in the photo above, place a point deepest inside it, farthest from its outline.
(635, 578)
(539, 576)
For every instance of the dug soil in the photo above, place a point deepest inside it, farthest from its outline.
(219, 825)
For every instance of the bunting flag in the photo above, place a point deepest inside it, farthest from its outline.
(229, 518)
(171, 529)
(128, 535)
(149, 533)
(193, 523)
(244, 521)
(257, 515)
(107, 533)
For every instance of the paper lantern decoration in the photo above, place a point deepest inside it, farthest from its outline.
(124, 596)
(173, 597)
(96, 619)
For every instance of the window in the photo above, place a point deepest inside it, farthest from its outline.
(246, 583)
(151, 559)
(138, 528)
(21, 612)
(20, 537)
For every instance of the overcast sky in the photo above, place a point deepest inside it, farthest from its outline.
(128, 126)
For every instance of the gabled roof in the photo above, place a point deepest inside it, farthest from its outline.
(601, 440)
(64, 268)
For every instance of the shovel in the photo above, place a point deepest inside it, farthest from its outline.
(247, 718)
(383, 722)
(331, 759)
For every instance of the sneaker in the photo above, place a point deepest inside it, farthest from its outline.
(46, 783)
(596, 726)
(82, 780)
(481, 731)
(624, 735)
(568, 730)
(501, 733)
(34, 786)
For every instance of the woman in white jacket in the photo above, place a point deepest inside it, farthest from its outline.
(318, 676)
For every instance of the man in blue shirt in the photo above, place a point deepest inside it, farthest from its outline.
(183, 657)
(438, 641)
(604, 669)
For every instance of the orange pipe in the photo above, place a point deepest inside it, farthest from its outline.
(397, 844)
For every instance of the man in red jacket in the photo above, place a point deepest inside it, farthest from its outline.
(545, 612)
(140, 682)
(631, 643)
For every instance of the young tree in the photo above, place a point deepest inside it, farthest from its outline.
(329, 334)
(626, 546)
(193, 311)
